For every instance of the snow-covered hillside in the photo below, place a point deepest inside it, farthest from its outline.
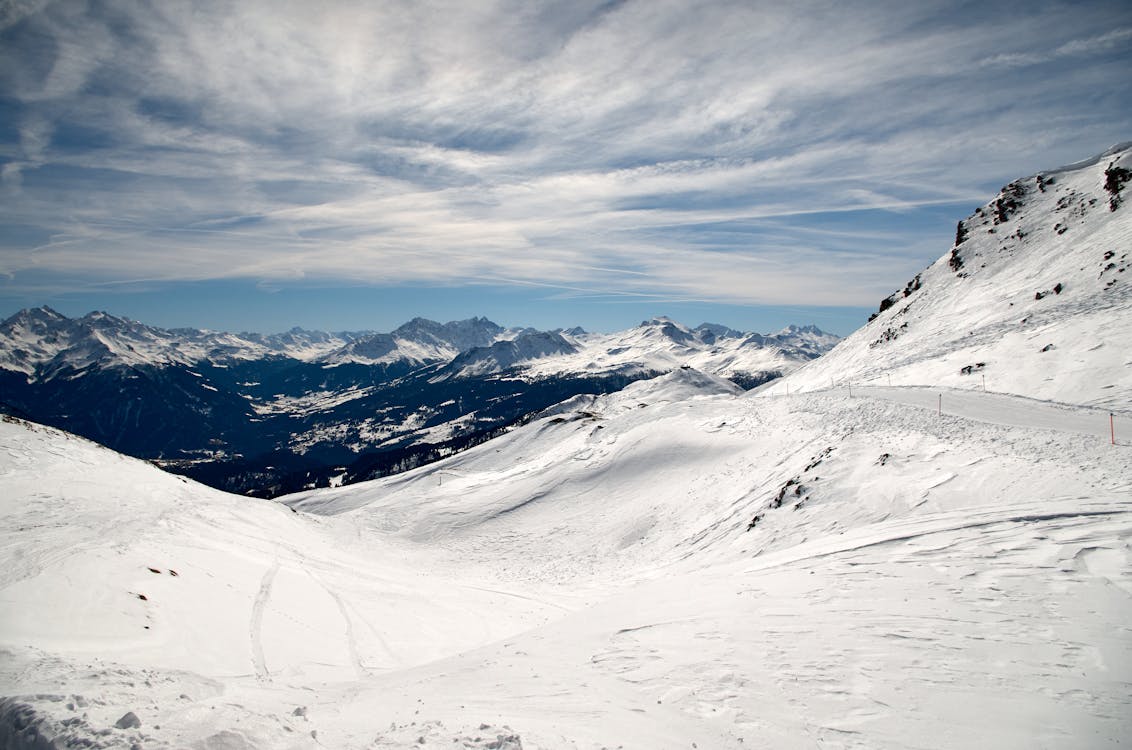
(675, 565)
(126, 589)
(1033, 299)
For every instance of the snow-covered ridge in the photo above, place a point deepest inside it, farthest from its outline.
(1032, 299)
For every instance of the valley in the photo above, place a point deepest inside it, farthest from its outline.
(266, 415)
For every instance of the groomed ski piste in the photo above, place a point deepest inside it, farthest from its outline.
(678, 565)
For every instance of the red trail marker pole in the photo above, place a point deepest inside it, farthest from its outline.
(939, 409)
(1112, 427)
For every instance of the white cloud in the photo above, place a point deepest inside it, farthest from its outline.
(588, 146)
(14, 11)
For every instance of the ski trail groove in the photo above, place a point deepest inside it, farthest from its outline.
(344, 607)
(255, 628)
(360, 668)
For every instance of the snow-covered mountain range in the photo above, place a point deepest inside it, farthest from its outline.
(42, 343)
(678, 564)
(267, 414)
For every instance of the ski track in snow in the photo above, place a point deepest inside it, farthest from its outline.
(255, 626)
(360, 669)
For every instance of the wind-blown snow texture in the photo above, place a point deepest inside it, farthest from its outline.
(676, 565)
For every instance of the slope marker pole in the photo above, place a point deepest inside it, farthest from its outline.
(984, 383)
(939, 409)
(1112, 427)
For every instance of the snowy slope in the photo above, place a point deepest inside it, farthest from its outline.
(590, 581)
(1035, 299)
(126, 588)
(930, 566)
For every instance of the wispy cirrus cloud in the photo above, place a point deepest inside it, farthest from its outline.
(637, 148)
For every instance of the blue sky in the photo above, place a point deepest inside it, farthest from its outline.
(350, 165)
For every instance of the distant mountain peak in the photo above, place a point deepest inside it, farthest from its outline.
(660, 320)
(43, 314)
(809, 328)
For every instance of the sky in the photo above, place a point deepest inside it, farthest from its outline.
(247, 165)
